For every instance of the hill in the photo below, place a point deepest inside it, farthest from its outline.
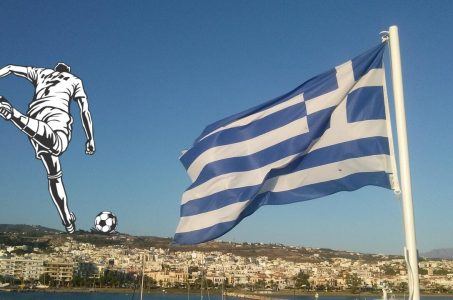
(42, 237)
(27, 229)
(445, 253)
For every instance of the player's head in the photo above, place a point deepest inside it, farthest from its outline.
(62, 67)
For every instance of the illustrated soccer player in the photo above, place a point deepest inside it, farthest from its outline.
(48, 123)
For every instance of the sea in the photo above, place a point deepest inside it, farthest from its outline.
(131, 296)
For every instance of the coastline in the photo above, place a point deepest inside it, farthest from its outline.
(230, 293)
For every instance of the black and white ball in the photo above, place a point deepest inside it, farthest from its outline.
(105, 222)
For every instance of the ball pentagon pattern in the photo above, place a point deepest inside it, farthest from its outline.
(105, 222)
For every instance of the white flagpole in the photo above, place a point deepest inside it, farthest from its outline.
(410, 252)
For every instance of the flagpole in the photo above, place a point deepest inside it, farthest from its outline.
(410, 252)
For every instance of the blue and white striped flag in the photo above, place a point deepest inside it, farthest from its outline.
(330, 134)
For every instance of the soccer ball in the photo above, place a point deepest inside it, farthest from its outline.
(105, 222)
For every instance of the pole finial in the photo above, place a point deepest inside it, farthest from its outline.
(384, 36)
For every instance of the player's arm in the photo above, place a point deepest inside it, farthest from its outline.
(12, 69)
(87, 123)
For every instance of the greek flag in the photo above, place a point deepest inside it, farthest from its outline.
(330, 134)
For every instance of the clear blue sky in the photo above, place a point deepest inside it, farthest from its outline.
(157, 72)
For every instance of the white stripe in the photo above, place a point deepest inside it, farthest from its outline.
(233, 180)
(394, 176)
(225, 214)
(247, 147)
(259, 115)
(283, 183)
(332, 171)
(339, 118)
(349, 132)
(374, 77)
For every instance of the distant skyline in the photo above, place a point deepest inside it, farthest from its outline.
(156, 73)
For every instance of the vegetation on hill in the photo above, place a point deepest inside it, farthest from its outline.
(41, 237)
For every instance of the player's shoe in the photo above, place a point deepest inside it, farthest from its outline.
(70, 228)
(6, 110)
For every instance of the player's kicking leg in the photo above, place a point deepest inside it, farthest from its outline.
(57, 190)
(55, 142)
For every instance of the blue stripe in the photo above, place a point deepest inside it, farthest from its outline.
(334, 153)
(266, 105)
(203, 235)
(311, 88)
(318, 123)
(372, 59)
(246, 132)
(219, 200)
(348, 183)
(264, 157)
(366, 103)
(318, 190)
(352, 149)
(320, 85)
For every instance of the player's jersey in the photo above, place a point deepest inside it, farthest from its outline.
(53, 89)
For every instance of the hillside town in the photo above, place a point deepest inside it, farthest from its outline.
(82, 264)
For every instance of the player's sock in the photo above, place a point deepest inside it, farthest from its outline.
(70, 228)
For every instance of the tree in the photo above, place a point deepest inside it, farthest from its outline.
(77, 281)
(402, 287)
(422, 271)
(301, 280)
(46, 279)
(209, 283)
(441, 272)
(354, 282)
(388, 270)
(260, 284)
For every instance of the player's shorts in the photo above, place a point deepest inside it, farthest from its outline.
(61, 124)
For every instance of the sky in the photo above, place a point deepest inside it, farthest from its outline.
(157, 72)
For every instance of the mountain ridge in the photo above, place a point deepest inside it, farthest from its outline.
(32, 235)
(44, 237)
(25, 228)
(441, 253)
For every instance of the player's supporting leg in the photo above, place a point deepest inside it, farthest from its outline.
(37, 130)
(57, 190)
